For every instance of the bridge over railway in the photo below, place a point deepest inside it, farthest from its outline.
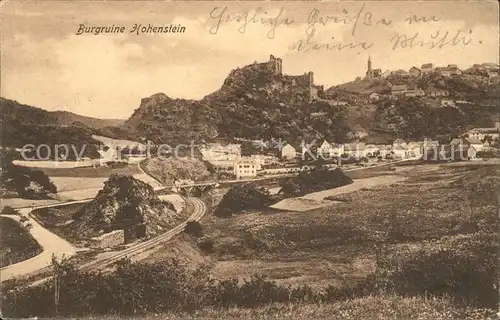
(195, 188)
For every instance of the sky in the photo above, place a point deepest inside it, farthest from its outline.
(44, 62)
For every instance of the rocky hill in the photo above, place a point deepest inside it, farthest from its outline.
(167, 171)
(22, 124)
(258, 101)
(15, 111)
(128, 204)
(254, 102)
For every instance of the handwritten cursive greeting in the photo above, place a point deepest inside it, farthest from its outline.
(345, 26)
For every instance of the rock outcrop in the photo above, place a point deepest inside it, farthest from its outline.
(128, 204)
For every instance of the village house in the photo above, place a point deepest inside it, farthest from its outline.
(217, 151)
(486, 145)
(448, 71)
(415, 149)
(288, 152)
(398, 90)
(356, 149)
(427, 67)
(482, 133)
(490, 66)
(434, 92)
(336, 103)
(430, 149)
(329, 150)
(492, 73)
(399, 72)
(371, 150)
(476, 143)
(399, 149)
(447, 103)
(415, 92)
(385, 74)
(374, 96)
(445, 72)
(246, 167)
(414, 72)
(324, 150)
(336, 149)
(384, 150)
(461, 149)
(222, 166)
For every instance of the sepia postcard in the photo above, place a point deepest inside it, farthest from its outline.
(250, 160)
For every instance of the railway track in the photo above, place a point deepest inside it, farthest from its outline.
(198, 212)
(101, 264)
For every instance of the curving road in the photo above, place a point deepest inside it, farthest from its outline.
(51, 244)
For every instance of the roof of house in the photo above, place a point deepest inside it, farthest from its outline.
(397, 87)
(484, 130)
(473, 141)
(288, 145)
(430, 142)
(399, 147)
(456, 141)
(399, 141)
(325, 143)
(414, 144)
(354, 146)
(414, 68)
(427, 65)
(433, 89)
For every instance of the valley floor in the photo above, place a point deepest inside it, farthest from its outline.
(335, 245)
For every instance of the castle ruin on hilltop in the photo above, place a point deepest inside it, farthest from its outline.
(293, 84)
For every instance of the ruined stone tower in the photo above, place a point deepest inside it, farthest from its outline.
(277, 65)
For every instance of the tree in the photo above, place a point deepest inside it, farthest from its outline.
(26, 182)
(193, 228)
(310, 181)
(8, 210)
(243, 197)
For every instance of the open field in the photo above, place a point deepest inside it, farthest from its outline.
(335, 245)
(317, 200)
(89, 172)
(17, 243)
(57, 219)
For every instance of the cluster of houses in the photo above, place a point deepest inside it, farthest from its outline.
(407, 91)
(228, 159)
(490, 69)
(398, 150)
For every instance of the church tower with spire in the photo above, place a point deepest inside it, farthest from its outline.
(369, 72)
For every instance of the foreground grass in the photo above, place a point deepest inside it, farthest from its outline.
(373, 308)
